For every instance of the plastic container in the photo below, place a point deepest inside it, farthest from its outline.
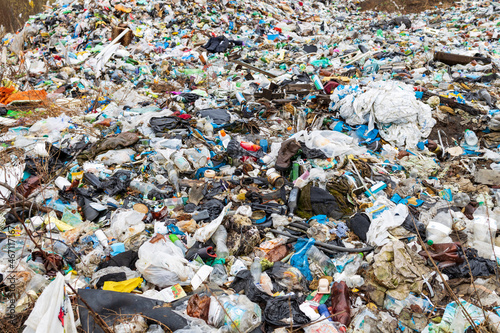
(256, 270)
(470, 138)
(219, 273)
(323, 310)
(461, 199)
(224, 138)
(220, 238)
(322, 260)
(438, 233)
(178, 243)
(292, 201)
(101, 237)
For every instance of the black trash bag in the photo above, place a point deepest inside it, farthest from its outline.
(117, 183)
(56, 160)
(161, 124)
(127, 258)
(311, 153)
(114, 307)
(478, 266)
(214, 208)
(189, 97)
(277, 311)
(234, 149)
(115, 277)
(70, 257)
(220, 44)
(359, 224)
(218, 116)
(89, 212)
(23, 213)
(244, 281)
(217, 44)
(399, 21)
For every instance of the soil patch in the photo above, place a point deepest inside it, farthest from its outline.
(404, 6)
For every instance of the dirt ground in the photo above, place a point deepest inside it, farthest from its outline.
(13, 13)
(404, 6)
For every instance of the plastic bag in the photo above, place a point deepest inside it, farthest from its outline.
(299, 259)
(203, 234)
(119, 156)
(50, 305)
(126, 223)
(332, 143)
(46, 126)
(378, 233)
(163, 264)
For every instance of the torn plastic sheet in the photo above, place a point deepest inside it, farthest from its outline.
(10, 175)
(392, 105)
(453, 319)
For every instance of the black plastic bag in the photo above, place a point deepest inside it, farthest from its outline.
(279, 309)
(117, 183)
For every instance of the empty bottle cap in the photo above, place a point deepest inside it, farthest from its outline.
(173, 238)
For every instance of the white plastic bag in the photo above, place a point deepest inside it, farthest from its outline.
(204, 233)
(378, 233)
(163, 264)
(45, 315)
(126, 223)
(119, 156)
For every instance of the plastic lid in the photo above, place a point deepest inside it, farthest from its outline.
(430, 242)
(173, 238)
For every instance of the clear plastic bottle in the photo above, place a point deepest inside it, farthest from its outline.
(178, 243)
(142, 187)
(292, 201)
(322, 260)
(461, 199)
(181, 162)
(470, 138)
(219, 273)
(256, 270)
(173, 176)
(220, 238)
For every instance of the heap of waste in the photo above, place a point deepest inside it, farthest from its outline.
(250, 166)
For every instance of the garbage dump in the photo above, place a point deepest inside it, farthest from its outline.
(251, 166)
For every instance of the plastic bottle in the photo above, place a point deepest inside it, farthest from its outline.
(102, 238)
(485, 227)
(470, 138)
(316, 255)
(173, 176)
(461, 199)
(208, 129)
(249, 146)
(144, 188)
(224, 138)
(219, 273)
(220, 238)
(292, 201)
(180, 162)
(256, 270)
(323, 310)
(178, 243)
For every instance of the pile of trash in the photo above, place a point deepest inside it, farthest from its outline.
(250, 166)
